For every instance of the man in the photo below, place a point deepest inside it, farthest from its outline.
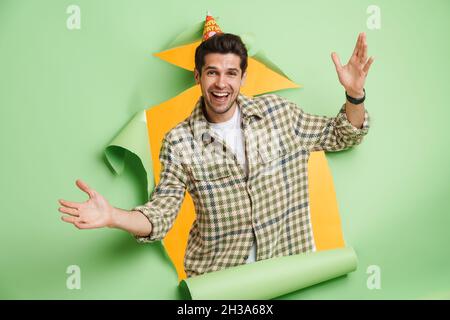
(244, 162)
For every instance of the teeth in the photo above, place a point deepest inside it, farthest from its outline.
(220, 94)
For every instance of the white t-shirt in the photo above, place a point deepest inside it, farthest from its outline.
(231, 132)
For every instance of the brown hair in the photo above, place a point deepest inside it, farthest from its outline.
(221, 43)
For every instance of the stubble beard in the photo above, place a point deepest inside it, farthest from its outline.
(213, 109)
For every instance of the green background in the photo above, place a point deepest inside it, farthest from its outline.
(64, 94)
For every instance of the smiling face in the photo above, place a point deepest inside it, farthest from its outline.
(220, 81)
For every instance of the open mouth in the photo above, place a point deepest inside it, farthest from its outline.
(220, 96)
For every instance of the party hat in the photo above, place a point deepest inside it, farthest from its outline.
(211, 27)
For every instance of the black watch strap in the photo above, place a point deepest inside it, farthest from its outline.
(354, 100)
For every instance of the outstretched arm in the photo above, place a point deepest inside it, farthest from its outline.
(148, 222)
(96, 212)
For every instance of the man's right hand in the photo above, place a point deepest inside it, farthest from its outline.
(96, 212)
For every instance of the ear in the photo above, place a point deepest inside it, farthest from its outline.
(244, 77)
(197, 76)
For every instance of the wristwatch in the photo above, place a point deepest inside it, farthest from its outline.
(354, 100)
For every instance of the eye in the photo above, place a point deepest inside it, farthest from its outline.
(209, 73)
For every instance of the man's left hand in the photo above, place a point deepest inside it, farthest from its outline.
(353, 75)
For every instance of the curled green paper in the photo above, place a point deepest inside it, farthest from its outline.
(271, 278)
(132, 138)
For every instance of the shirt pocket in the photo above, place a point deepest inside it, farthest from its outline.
(277, 151)
(276, 160)
(210, 172)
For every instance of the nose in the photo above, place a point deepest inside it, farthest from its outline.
(220, 82)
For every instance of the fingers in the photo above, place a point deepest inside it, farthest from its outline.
(363, 48)
(69, 204)
(78, 223)
(70, 211)
(368, 64)
(357, 46)
(360, 45)
(81, 225)
(83, 186)
(70, 219)
(336, 61)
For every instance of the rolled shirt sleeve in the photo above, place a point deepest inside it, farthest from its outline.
(167, 197)
(321, 133)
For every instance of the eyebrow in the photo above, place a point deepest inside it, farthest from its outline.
(214, 68)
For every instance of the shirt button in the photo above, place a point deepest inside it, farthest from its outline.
(206, 137)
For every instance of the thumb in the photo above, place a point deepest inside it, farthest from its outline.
(336, 61)
(83, 186)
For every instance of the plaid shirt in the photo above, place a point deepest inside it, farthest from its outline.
(272, 200)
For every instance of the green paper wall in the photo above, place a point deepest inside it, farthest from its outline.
(64, 94)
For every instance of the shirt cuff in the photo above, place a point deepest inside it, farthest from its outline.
(155, 219)
(348, 128)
